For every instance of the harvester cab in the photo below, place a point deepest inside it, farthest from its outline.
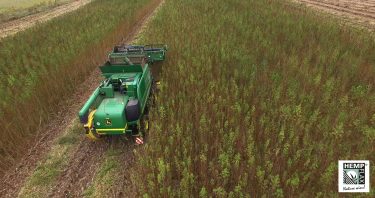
(119, 105)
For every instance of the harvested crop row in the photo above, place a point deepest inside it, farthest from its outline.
(365, 11)
(358, 13)
(16, 25)
(257, 98)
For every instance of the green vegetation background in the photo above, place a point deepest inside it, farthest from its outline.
(258, 99)
(42, 66)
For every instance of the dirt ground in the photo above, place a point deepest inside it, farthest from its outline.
(89, 155)
(14, 26)
(357, 12)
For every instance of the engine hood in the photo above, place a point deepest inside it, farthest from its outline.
(110, 115)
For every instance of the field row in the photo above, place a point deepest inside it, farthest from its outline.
(258, 98)
(49, 65)
(62, 161)
(13, 26)
(358, 11)
(14, 9)
(361, 8)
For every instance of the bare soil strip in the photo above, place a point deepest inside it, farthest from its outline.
(112, 178)
(124, 187)
(86, 158)
(358, 12)
(80, 169)
(12, 27)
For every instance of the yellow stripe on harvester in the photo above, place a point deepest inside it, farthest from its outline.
(108, 130)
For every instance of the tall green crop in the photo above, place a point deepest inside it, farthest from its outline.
(42, 66)
(258, 98)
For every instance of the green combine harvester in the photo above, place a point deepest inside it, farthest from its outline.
(120, 104)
